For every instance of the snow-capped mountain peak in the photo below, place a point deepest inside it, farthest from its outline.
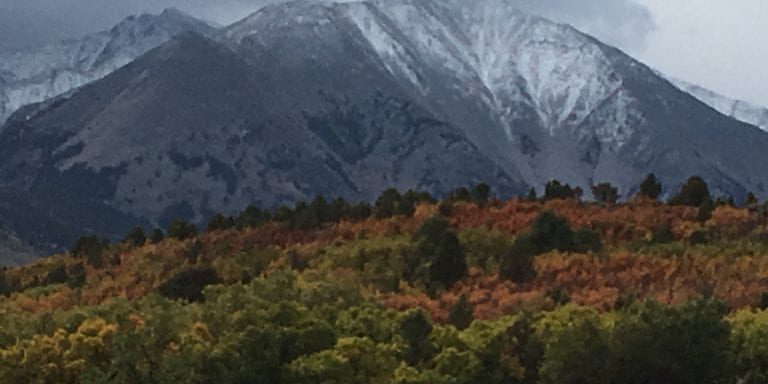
(33, 76)
(496, 51)
(303, 98)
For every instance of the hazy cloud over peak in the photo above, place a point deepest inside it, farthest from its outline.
(623, 23)
(25, 23)
(715, 43)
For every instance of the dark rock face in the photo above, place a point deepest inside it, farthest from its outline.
(305, 99)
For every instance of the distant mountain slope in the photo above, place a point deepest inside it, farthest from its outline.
(738, 109)
(33, 76)
(226, 135)
(303, 98)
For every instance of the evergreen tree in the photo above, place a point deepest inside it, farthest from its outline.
(418, 197)
(339, 209)
(181, 230)
(517, 264)
(188, 285)
(320, 210)
(650, 187)
(285, 215)
(481, 192)
(305, 217)
(219, 222)
(406, 207)
(76, 276)
(531, 195)
(752, 200)
(656, 343)
(445, 208)
(415, 328)
(586, 240)
(5, 287)
(460, 194)
(252, 217)
(439, 249)
(555, 190)
(693, 193)
(57, 275)
(705, 211)
(157, 236)
(361, 211)
(386, 204)
(722, 201)
(578, 193)
(90, 248)
(448, 264)
(605, 193)
(462, 314)
(430, 234)
(551, 232)
(136, 237)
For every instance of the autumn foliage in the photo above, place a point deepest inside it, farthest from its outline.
(470, 288)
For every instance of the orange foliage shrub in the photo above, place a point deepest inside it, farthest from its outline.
(601, 282)
(616, 223)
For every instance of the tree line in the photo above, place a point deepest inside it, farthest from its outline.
(321, 211)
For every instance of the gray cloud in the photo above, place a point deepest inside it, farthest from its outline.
(623, 23)
(716, 44)
(25, 23)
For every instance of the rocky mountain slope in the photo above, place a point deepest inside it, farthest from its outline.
(737, 109)
(33, 76)
(301, 99)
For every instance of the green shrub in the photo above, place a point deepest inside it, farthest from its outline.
(698, 238)
(586, 240)
(662, 235)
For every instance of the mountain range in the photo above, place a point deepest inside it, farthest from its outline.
(303, 99)
(33, 76)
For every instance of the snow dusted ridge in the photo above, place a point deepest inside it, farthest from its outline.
(493, 50)
(542, 99)
(33, 76)
(737, 109)
(514, 57)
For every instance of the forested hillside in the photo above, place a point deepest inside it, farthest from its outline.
(469, 289)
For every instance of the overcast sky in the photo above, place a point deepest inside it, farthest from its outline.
(720, 44)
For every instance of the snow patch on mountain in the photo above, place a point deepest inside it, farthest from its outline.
(517, 58)
(33, 76)
(737, 109)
